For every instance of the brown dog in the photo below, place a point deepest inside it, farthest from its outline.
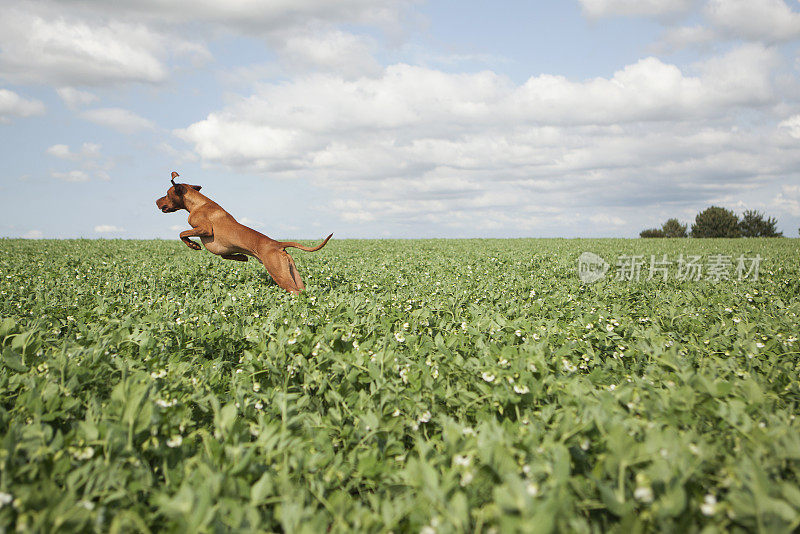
(222, 235)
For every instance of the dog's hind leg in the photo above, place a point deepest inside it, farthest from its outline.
(283, 270)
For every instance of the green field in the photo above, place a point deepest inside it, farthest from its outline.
(416, 386)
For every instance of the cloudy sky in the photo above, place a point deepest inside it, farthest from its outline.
(396, 118)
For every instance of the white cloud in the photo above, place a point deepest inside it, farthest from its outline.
(607, 220)
(95, 43)
(108, 229)
(744, 73)
(680, 37)
(38, 49)
(334, 51)
(606, 8)
(792, 125)
(44, 43)
(413, 115)
(75, 98)
(11, 104)
(60, 151)
(88, 157)
(71, 176)
(786, 204)
(88, 150)
(257, 17)
(33, 234)
(764, 20)
(122, 120)
(417, 144)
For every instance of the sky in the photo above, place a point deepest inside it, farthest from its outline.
(397, 118)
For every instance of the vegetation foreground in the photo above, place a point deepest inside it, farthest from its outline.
(416, 386)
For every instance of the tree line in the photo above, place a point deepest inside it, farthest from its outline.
(719, 222)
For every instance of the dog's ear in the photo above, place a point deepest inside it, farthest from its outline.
(196, 187)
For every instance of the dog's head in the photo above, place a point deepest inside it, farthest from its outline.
(174, 199)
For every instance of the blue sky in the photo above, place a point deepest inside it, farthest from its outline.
(397, 118)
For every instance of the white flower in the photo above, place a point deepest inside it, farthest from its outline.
(612, 387)
(399, 337)
(435, 372)
(158, 374)
(643, 493)
(533, 489)
(425, 417)
(521, 389)
(610, 327)
(175, 441)
(258, 405)
(760, 345)
(405, 326)
(84, 454)
(404, 374)
(462, 460)
(256, 387)
(518, 333)
(709, 506)
(396, 413)
(488, 377)
(5, 498)
(736, 320)
(291, 341)
(568, 366)
(503, 362)
(468, 431)
(466, 478)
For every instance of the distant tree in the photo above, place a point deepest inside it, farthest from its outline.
(753, 224)
(651, 232)
(716, 222)
(673, 228)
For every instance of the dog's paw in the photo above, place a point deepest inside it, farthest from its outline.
(194, 246)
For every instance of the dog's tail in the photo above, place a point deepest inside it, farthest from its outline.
(285, 244)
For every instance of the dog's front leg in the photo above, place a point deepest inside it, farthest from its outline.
(197, 231)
